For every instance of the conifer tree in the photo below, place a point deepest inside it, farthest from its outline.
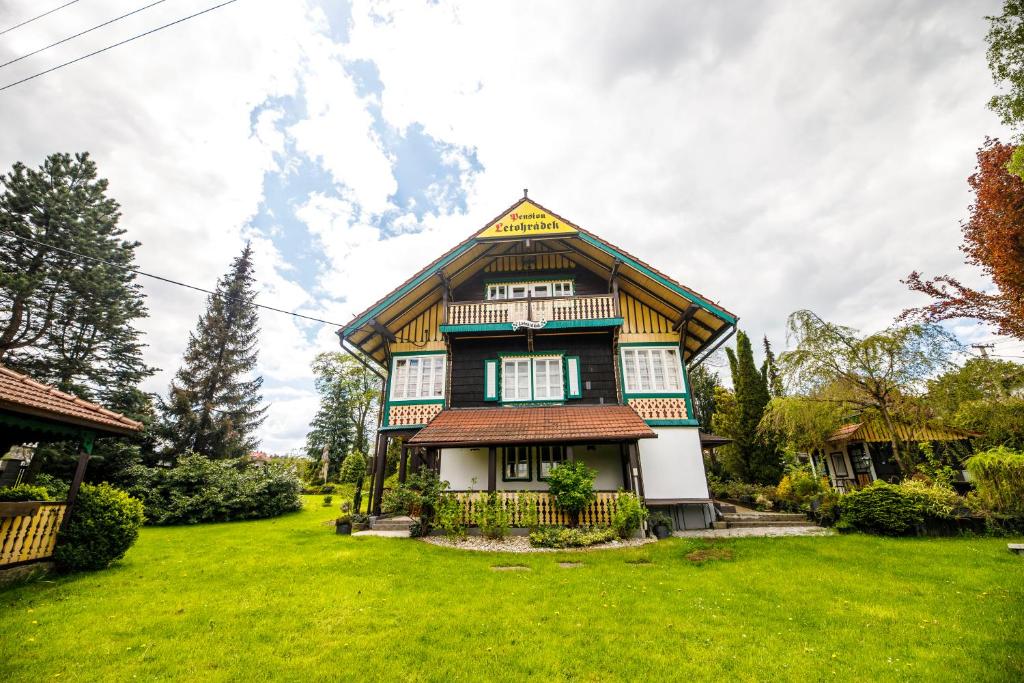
(214, 404)
(770, 371)
(757, 459)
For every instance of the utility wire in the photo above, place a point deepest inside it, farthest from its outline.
(29, 21)
(111, 47)
(159, 277)
(82, 33)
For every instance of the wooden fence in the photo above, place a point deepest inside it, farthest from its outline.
(537, 508)
(593, 307)
(28, 531)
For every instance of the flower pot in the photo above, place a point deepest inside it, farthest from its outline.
(343, 528)
(662, 531)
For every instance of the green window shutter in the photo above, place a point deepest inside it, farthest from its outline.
(573, 379)
(492, 382)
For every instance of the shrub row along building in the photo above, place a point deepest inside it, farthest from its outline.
(534, 342)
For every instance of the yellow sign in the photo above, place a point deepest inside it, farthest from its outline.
(527, 220)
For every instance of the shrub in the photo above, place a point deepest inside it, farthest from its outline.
(397, 501)
(998, 477)
(492, 517)
(353, 468)
(328, 501)
(57, 488)
(527, 511)
(827, 513)
(798, 488)
(23, 492)
(935, 501)
(881, 509)
(576, 537)
(629, 514)
(327, 488)
(572, 485)
(421, 494)
(103, 526)
(202, 490)
(449, 516)
(659, 518)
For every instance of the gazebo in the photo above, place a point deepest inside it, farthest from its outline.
(32, 412)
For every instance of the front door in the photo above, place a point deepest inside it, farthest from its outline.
(861, 462)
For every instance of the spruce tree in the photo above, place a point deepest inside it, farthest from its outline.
(214, 403)
(703, 383)
(770, 371)
(757, 458)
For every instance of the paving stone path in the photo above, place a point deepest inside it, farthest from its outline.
(748, 532)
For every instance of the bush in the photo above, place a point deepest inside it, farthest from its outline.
(577, 537)
(327, 488)
(998, 477)
(880, 509)
(492, 517)
(202, 490)
(629, 514)
(449, 516)
(57, 488)
(328, 501)
(23, 492)
(398, 501)
(935, 501)
(104, 524)
(572, 485)
(797, 489)
(353, 468)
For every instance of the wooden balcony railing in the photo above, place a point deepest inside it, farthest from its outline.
(535, 310)
(537, 508)
(28, 531)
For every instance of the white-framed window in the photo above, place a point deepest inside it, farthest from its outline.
(652, 369)
(418, 377)
(522, 290)
(549, 457)
(515, 379)
(532, 379)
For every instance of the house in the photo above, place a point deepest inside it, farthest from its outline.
(534, 342)
(860, 453)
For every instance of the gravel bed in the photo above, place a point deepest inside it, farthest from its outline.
(521, 544)
(756, 532)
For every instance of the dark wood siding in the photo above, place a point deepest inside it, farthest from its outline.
(594, 350)
(586, 282)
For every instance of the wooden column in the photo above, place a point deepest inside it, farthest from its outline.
(84, 453)
(378, 475)
(403, 463)
(627, 471)
(492, 469)
(570, 454)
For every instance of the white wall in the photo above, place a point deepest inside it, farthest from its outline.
(672, 464)
(460, 465)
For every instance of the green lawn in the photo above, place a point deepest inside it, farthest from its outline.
(287, 599)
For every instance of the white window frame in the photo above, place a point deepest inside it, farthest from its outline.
(641, 363)
(409, 384)
(497, 291)
(554, 382)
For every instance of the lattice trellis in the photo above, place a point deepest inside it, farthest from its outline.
(659, 408)
(415, 414)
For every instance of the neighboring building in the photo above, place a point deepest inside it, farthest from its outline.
(860, 453)
(534, 342)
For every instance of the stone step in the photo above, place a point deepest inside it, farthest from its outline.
(752, 524)
(725, 507)
(391, 523)
(765, 516)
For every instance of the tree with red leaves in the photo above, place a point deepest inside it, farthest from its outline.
(993, 240)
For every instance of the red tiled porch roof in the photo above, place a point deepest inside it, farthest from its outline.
(547, 424)
(23, 395)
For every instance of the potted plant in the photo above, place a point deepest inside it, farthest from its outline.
(661, 524)
(360, 522)
(343, 525)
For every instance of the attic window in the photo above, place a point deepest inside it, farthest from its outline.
(540, 289)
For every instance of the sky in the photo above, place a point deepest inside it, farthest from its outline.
(772, 156)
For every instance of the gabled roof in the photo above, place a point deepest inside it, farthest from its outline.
(23, 395)
(518, 425)
(423, 290)
(874, 432)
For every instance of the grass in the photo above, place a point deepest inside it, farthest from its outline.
(286, 599)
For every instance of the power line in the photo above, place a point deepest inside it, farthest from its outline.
(111, 47)
(82, 33)
(29, 21)
(160, 277)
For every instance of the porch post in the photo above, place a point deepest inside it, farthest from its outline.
(570, 454)
(492, 469)
(378, 477)
(627, 471)
(403, 463)
(84, 453)
(636, 469)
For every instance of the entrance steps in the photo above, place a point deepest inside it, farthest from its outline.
(748, 519)
(402, 523)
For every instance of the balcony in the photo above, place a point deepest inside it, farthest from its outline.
(533, 313)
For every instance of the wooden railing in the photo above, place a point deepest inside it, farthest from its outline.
(28, 531)
(595, 307)
(537, 508)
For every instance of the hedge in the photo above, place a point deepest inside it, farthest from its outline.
(998, 477)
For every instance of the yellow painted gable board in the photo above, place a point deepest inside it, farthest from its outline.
(526, 220)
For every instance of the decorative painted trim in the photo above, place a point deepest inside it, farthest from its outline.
(418, 353)
(413, 414)
(416, 401)
(660, 408)
(522, 279)
(633, 263)
(549, 325)
(672, 423)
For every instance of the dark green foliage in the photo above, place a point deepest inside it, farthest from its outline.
(214, 407)
(998, 477)
(1006, 62)
(492, 517)
(999, 423)
(629, 514)
(56, 488)
(754, 455)
(577, 537)
(353, 471)
(23, 492)
(880, 509)
(201, 490)
(770, 374)
(104, 525)
(703, 383)
(572, 485)
(449, 516)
